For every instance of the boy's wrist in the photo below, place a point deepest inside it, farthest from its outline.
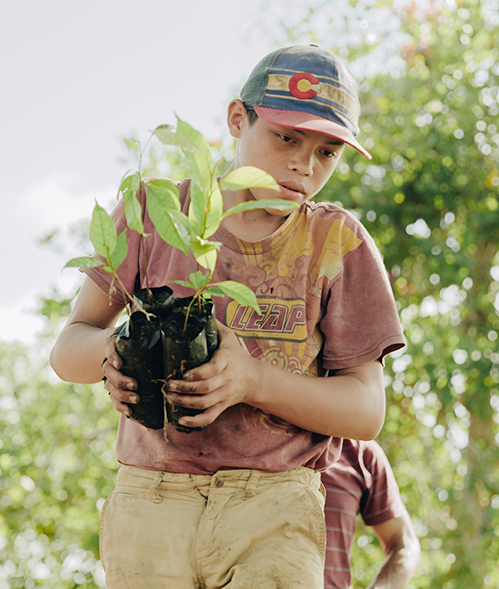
(259, 383)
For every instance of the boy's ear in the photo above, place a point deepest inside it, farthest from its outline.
(237, 117)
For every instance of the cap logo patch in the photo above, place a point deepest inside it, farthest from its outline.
(301, 85)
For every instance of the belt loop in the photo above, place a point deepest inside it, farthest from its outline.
(252, 484)
(158, 477)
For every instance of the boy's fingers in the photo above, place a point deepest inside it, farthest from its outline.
(116, 378)
(205, 371)
(121, 394)
(202, 386)
(121, 407)
(112, 355)
(208, 416)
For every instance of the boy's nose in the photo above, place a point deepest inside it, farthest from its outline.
(302, 162)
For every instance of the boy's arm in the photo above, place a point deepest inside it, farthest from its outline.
(350, 404)
(87, 339)
(402, 551)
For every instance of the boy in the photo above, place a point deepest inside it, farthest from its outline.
(240, 503)
(362, 481)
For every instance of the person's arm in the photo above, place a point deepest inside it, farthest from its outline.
(402, 551)
(350, 404)
(86, 340)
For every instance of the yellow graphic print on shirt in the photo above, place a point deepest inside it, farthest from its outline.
(289, 283)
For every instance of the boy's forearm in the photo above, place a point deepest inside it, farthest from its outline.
(78, 353)
(80, 348)
(349, 405)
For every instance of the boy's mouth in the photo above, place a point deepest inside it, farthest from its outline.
(291, 189)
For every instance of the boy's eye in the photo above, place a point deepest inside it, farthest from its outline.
(329, 154)
(285, 138)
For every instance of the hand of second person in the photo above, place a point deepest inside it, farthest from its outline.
(227, 379)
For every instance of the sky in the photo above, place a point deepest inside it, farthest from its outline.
(76, 77)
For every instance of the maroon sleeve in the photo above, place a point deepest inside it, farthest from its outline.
(381, 500)
(361, 322)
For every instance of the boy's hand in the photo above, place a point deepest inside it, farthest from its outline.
(120, 387)
(227, 379)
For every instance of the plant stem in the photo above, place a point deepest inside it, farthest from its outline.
(149, 293)
(187, 316)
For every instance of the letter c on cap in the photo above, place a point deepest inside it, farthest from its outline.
(300, 85)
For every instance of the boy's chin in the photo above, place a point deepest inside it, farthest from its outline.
(278, 213)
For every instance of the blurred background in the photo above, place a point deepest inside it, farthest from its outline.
(84, 82)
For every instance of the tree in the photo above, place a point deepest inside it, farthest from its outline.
(430, 199)
(57, 466)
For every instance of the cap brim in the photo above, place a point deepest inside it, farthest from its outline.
(308, 122)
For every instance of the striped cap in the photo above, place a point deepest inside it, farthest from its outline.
(306, 88)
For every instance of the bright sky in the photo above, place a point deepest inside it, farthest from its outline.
(76, 76)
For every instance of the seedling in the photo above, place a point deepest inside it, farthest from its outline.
(186, 329)
(189, 233)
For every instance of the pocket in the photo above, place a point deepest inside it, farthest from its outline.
(102, 529)
(130, 491)
(317, 497)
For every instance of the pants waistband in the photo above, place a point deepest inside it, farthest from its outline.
(247, 479)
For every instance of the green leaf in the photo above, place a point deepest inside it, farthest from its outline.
(205, 251)
(162, 201)
(208, 260)
(279, 204)
(193, 136)
(166, 134)
(197, 209)
(130, 184)
(248, 177)
(165, 192)
(182, 225)
(199, 280)
(200, 169)
(200, 165)
(133, 212)
(102, 232)
(184, 283)
(215, 207)
(241, 293)
(119, 253)
(84, 262)
(213, 291)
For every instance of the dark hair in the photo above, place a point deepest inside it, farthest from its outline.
(252, 116)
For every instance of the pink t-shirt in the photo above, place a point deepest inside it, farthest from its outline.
(326, 304)
(362, 481)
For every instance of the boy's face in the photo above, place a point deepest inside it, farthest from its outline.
(301, 162)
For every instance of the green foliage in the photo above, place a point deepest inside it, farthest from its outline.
(189, 233)
(57, 466)
(192, 233)
(429, 198)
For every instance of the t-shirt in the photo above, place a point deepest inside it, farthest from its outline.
(362, 481)
(326, 304)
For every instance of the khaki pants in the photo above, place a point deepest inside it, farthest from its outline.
(241, 529)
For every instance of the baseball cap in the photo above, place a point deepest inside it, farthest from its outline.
(306, 88)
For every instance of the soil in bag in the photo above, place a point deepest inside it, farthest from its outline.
(187, 344)
(140, 348)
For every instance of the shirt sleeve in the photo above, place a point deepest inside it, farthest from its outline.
(361, 321)
(381, 501)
